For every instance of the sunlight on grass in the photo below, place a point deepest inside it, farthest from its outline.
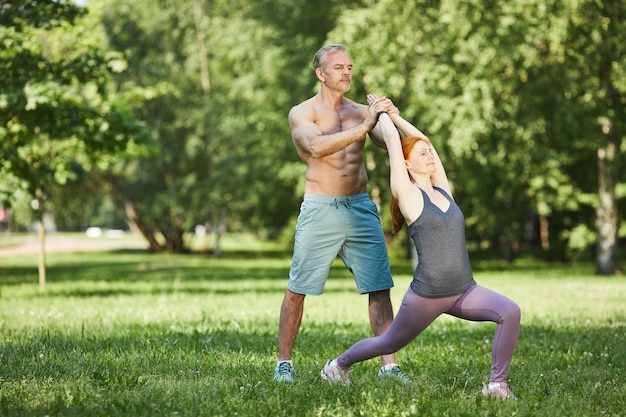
(130, 333)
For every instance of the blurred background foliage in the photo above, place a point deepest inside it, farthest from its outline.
(525, 99)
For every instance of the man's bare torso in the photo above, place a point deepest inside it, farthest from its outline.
(343, 172)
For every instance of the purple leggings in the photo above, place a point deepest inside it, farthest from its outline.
(417, 313)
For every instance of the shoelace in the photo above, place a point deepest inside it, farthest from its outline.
(284, 368)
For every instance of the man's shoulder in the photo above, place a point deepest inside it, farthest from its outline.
(301, 112)
(307, 105)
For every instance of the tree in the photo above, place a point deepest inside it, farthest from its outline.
(502, 86)
(596, 75)
(461, 89)
(225, 154)
(57, 115)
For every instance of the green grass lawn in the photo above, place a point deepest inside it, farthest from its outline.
(133, 334)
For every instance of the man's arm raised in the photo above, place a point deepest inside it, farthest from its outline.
(312, 142)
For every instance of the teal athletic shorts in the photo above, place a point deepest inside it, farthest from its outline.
(348, 227)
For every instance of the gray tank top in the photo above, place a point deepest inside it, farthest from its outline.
(443, 267)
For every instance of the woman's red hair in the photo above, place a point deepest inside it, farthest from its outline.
(397, 219)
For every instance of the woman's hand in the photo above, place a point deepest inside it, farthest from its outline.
(389, 106)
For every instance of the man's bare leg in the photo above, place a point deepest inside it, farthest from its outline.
(381, 316)
(290, 320)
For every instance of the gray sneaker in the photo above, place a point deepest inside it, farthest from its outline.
(334, 374)
(283, 372)
(394, 373)
(501, 393)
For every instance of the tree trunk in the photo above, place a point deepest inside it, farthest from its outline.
(174, 233)
(136, 224)
(42, 251)
(606, 214)
(174, 242)
(544, 233)
(220, 229)
(38, 206)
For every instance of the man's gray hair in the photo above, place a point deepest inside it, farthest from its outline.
(320, 57)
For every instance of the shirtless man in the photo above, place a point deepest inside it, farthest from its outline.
(337, 217)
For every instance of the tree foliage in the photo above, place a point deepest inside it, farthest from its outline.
(224, 146)
(507, 91)
(56, 111)
(525, 100)
(57, 117)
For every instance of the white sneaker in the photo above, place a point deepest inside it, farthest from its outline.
(501, 392)
(334, 374)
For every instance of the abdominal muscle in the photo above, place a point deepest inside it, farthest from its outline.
(339, 174)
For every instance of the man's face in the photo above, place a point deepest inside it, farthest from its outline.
(336, 72)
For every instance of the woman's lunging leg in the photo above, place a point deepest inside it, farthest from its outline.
(415, 314)
(481, 304)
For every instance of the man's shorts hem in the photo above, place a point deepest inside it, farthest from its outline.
(304, 292)
(383, 288)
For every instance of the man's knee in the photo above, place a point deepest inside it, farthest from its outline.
(293, 301)
(294, 296)
(379, 296)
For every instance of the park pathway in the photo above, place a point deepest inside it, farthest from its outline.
(29, 244)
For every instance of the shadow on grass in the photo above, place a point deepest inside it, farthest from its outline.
(170, 289)
(166, 272)
(153, 367)
(440, 350)
(138, 266)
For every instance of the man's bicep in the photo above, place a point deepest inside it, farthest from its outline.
(303, 135)
(299, 117)
(303, 128)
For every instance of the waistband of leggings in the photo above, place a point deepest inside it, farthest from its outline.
(333, 200)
